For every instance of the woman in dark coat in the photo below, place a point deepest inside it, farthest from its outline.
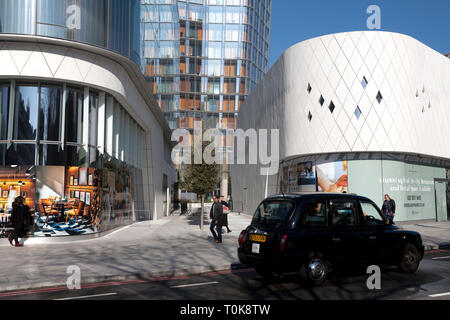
(19, 220)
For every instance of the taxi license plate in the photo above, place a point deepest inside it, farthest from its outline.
(258, 238)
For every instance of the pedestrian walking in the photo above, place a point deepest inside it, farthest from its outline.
(388, 208)
(226, 211)
(184, 207)
(216, 214)
(20, 220)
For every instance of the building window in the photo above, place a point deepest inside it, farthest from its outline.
(332, 107)
(4, 112)
(26, 113)
(321, 101)
(309, 116)
(364, 82)
(74, 115)
(379, 97)
(50, 113)
(358, 112)
(309, 88)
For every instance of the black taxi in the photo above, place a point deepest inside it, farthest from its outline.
(314, 233)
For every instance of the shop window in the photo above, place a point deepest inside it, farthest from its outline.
(51, 155)
(4, 112)
(26, 113)
(49, 113)
(74, 115)
(21, 154)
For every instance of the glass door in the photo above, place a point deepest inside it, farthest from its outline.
(440, 190)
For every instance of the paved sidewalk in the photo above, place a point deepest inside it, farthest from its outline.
(171, 246)
(435, 235)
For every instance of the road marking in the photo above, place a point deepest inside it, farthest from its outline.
(439, 295)
(92, 296)
(194, 285)
(440, 258)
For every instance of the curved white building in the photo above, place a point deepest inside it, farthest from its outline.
(361, 112)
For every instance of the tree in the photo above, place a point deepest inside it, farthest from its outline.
(200, 179)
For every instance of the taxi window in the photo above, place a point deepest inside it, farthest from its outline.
(316, 213)
(344, 213)
(371, 214)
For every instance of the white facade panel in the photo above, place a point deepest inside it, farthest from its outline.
(405, 107)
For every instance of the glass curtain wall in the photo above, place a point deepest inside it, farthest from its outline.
(49, 154)
(202, 58)
(112, 24)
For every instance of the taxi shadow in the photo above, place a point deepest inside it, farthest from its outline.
(351, 284)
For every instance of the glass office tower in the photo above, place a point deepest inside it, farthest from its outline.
(202, 58)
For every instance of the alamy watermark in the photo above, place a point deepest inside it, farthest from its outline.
(74, 280)
(374, 281)
(230, 148)
(374, 20)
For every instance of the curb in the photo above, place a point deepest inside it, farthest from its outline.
(155, 276)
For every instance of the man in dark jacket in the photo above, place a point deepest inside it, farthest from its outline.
(225, 213)
(388, 208)
(19, 220)
(216, 214)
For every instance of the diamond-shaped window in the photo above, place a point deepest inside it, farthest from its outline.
(309, 88)
(321, 101)
(309, 116)
(332, 107)
(358, 112)
(364, 82)
(379, 97)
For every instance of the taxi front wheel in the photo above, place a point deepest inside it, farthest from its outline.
(410, 259)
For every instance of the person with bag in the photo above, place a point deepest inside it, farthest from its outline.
(388, 208)
(226, 211)
(20, 220)
(216, 214)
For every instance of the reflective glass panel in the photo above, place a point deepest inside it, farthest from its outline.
(25, 113)
(50, 113)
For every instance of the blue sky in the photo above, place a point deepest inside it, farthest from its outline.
(294, 21)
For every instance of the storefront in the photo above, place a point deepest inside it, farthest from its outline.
(419, 185)
(69, 185)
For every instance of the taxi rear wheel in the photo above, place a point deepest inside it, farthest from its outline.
(314, 271)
